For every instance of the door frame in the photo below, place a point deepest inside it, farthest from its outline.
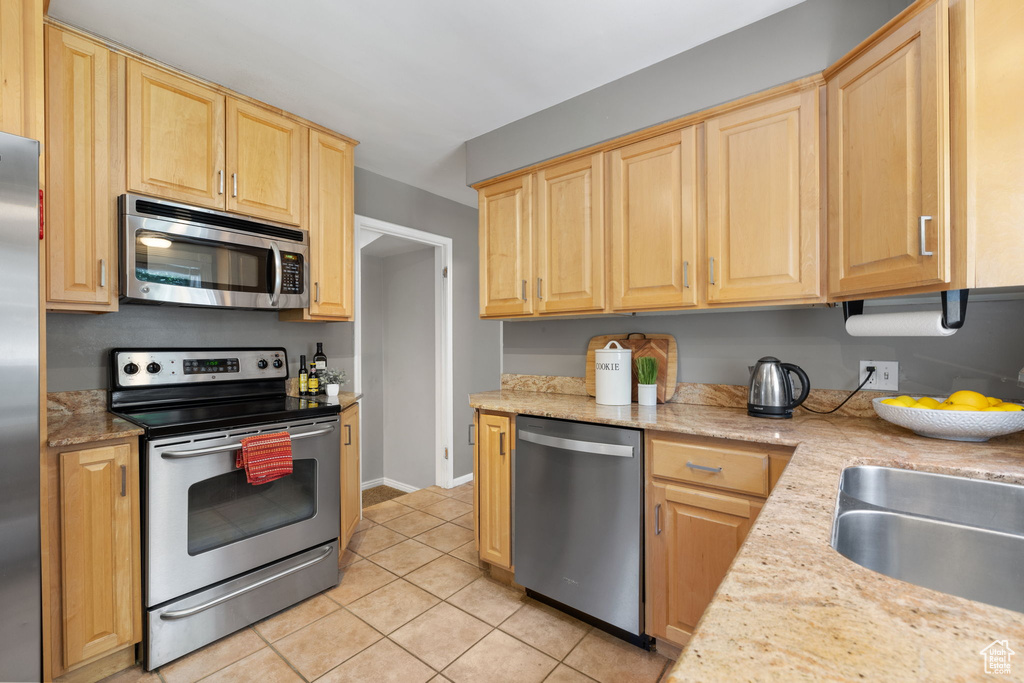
(444, 456)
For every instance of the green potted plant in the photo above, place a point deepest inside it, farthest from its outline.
(646, 380)
(333, 379)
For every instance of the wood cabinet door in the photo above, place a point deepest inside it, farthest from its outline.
(494, 489)
(266, 163)
(99, 551)
(570, 236)
(351, 482)
(888, 155)
(21, 68)
(763, 216)
(330, 227)
(81, 217)
(693, 536)
(652, 222)
(506, 255)
(175, 137)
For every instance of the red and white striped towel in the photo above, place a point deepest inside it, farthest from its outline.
(265, 457)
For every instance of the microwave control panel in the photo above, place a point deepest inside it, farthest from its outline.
(292, 269)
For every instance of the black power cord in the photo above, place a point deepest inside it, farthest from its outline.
(870, 370)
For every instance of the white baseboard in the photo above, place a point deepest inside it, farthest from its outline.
(464, 479)
(384, 481)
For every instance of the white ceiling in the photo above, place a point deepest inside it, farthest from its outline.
(412, 80)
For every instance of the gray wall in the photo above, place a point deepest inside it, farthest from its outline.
(796, 42)
(477, 345)
(371, 407)
(409, 381)
(77, 345)
(716, 347)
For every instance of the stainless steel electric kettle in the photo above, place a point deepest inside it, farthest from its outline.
(771, 389)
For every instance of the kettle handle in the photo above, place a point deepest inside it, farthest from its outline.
(805, 383)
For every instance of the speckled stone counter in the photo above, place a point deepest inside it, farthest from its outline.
(792, 608)
(343, 399)
(78, 417)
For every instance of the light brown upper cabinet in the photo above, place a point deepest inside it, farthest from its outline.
(888, 160)
(21, 68)
(175, 137)
(85, 85)
(266, 163)
(652, 222)
(570, 236)
(763, 228)
(506, 263)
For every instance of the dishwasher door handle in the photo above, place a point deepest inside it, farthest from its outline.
(592, 447)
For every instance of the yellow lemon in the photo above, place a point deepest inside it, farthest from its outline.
(927, 402)
(920, 405)
(993, 409)
(968, 398)
(1010, 407)
(993, 401)
(960, 406)
(905, 400)
(894, 402)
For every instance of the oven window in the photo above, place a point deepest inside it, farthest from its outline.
(226, 509)
(168, 259)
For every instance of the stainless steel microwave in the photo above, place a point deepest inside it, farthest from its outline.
(189, 256)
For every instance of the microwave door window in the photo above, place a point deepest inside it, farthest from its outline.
(166, 259)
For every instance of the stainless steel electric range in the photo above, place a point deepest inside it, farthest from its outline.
(219, 553)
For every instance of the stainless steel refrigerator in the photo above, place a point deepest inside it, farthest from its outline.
(20, 582)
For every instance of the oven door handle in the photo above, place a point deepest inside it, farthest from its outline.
(182, 613)
(278, 274)
(235, 446)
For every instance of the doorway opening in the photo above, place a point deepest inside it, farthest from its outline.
(403, 356)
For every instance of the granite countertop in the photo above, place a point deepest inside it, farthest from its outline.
(791, 607)
(344, 398)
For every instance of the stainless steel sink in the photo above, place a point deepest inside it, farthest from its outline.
(956, 535)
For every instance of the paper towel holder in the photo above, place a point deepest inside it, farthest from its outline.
(954, 308)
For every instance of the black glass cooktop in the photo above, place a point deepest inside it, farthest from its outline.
(201, 417)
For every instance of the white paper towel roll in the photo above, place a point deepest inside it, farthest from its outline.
(918, 324)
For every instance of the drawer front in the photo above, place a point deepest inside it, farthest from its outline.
(733, 469)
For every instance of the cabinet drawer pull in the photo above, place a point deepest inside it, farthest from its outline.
(704, 468)
(524, 290)
(922, 226)
(348, 435)
(220, 181)
(657, 519)
(103, 272)
(712, 269)
(539, 281)
(501, 443)
(316, 294)
(472, 435)
(234, 184)
(124, 481)
(686, 274)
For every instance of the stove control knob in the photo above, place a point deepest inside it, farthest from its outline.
(278, 363)
(153, 368)
(262, 364)
(131, 369)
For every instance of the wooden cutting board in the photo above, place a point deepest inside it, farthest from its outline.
(667, 365)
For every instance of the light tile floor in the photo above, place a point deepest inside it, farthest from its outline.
(412, 605)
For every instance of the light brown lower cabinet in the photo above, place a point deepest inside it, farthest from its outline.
(492, 460)
(92, 554)
(351, 481)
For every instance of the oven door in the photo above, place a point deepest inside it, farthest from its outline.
(204, 523)
(195, 265)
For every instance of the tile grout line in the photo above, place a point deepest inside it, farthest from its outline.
(249, 627)
(281, 655)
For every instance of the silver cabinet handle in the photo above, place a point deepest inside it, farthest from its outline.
(712, 270)
(538, 288)
(220, 181)
(124, 481)
(590, 447)
(316, 290)
(182, 613)
(235, 446)
(501, 443)
(234, 184)
(703, 468)
(686, 274)
(103, 272)
(921, 223)
(657, 519)
(348, 435)
(278, 273)
(524, 290)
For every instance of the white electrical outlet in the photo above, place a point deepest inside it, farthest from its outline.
(886, 377)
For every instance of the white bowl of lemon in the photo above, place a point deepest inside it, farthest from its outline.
(964, 416)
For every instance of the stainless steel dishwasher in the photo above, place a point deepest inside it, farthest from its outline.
(578, 533)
